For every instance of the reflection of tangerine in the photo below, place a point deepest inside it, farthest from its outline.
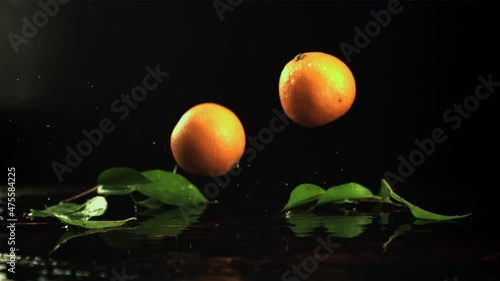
(316, 88)
(209, 139)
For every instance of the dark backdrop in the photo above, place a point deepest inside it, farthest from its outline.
(423, 62)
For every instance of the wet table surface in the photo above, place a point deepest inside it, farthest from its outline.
(251, 242)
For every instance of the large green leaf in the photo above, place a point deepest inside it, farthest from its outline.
(302, 195)
(417, 211)
(171, 189)
(120, 181)
(347, 191)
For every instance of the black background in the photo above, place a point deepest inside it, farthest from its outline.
(427, 59)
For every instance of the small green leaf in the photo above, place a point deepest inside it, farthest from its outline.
(347, 191)
(93, 207)
(417, 211)
(65, 208)
(150, 203)
(302, 195)
(384, 193)
(171, 189)
(120, 181)
(108, 190)
(93, 224)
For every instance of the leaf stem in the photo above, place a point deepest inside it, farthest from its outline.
(381, 201)
(79, 195)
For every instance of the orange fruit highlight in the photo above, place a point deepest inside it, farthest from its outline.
(316, 88)
(208, 140)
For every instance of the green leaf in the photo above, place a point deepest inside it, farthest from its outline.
(384, 193)
(171, 189)
(347, 191)
(65, 208)
(302, 195)
(120, 181)
(93, 224)
(417, 211)
(93, 207)
(150, 203)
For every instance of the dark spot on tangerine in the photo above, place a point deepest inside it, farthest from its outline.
(299, 57)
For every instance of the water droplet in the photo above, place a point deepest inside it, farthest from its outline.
(17, 79)
(154, 142)
(48, 126)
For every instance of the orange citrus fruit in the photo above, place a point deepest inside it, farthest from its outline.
(208, 140)
(316, 88)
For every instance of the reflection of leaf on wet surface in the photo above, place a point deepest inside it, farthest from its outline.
(347, 226)
(402, 229)
(305, 223)
(168, 223)
(74, 233)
